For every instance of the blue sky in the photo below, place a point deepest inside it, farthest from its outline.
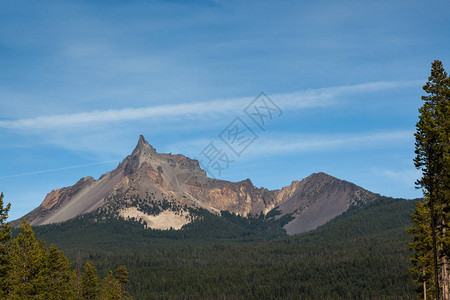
(80, 81)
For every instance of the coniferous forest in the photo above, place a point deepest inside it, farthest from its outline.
(362, 254)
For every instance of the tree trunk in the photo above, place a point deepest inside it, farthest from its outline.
(424, 285)
(445, 279)
(435, 256)
(445, 295)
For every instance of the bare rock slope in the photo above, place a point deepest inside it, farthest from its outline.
(149, 184)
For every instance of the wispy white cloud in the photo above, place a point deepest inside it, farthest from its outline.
(288, 101)
(284, 143)
(308, 143)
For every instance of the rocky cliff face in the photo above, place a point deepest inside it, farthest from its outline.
(148, 183)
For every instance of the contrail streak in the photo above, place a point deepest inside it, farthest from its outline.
(58, 169)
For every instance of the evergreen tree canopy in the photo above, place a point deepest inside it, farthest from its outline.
(27, 265)
(431, 219)
(89, 282)
(31, 270)
(110, 288)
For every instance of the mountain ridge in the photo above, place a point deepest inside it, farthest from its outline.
(150, 183)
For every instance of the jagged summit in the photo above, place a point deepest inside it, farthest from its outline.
(159, 188)
(321, 175)
(143, 146)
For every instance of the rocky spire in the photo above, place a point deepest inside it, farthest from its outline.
(142, 146)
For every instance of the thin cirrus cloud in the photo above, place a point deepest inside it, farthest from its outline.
(285, 143)
(308, 143)
(304, 99)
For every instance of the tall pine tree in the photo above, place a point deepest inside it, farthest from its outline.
(432, 158)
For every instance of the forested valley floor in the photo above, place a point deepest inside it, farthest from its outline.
(362, 254)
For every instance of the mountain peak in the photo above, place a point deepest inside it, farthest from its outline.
(143, 145)
(321, 176)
